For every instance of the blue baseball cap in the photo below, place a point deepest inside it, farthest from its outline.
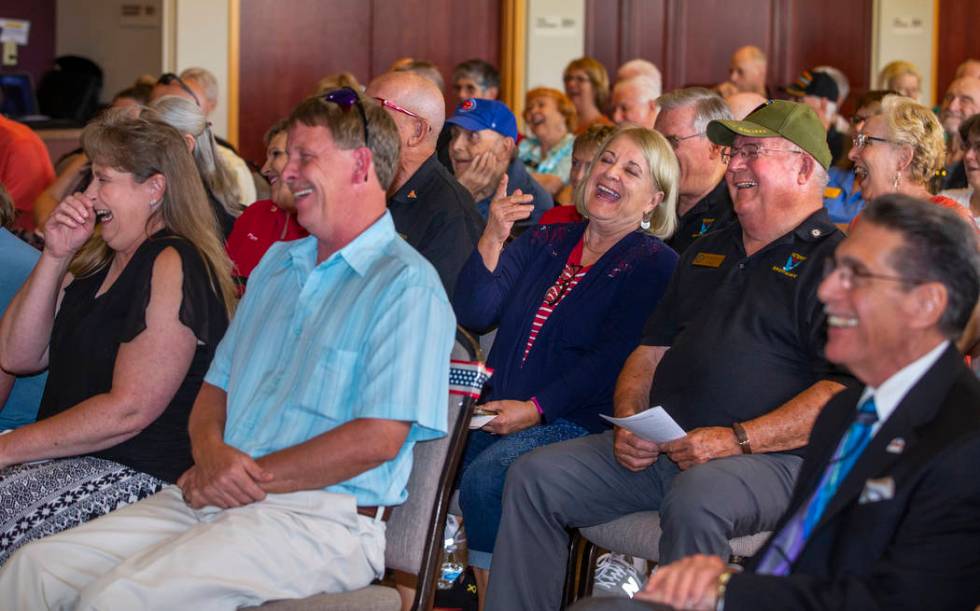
(476, 114)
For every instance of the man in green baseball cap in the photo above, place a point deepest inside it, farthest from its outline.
(778, 160)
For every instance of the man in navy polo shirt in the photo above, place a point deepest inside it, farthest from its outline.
(484, 149)
(733, 352)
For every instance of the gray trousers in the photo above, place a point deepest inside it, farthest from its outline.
(579, 483)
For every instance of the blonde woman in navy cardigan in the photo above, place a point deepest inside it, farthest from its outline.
(569, 302)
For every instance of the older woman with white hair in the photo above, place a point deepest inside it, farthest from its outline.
(219, 182)
(900, 150)
(569, 302)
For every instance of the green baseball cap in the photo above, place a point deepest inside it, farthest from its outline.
(778, 119)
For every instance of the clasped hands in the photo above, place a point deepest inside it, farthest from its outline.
(698, 446)
(223, 477)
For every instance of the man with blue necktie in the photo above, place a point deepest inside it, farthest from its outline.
(885, 510)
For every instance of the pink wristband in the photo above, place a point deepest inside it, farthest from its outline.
(537, 405)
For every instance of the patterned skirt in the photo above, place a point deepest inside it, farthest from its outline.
(44, 498)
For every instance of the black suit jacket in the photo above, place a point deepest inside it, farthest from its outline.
(920, 549)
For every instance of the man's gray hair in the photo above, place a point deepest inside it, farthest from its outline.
(647, 86)
(640, 67)
(937, 246)
(205, 79)
(708, 105)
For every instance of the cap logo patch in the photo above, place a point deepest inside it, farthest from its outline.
(467, 105)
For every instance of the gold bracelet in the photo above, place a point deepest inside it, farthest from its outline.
(720, 592)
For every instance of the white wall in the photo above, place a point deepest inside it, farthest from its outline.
(903, 29)
(199, 38)
(92, 28)
(555, 36)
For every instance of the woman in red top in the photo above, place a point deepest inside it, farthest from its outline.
(267, 221)
(899, 151)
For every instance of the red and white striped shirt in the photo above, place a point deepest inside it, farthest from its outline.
(570, 276)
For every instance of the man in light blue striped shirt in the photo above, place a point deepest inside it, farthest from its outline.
(334, 366)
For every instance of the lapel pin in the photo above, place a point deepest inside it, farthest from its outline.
(411, 194)
(896, 446)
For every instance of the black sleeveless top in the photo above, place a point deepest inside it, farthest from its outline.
(86, 336)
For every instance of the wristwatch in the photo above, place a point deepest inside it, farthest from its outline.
(720, 592)
(742, 438)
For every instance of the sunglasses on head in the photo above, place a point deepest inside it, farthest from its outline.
(345, 97)
(169, 77)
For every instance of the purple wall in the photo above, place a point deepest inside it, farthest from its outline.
(37, 57)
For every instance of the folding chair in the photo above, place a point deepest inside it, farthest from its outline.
(636, 534)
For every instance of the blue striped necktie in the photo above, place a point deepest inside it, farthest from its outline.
(788, 544)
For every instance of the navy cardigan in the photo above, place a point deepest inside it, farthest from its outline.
(578, 354)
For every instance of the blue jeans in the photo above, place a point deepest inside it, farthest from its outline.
(484, 471)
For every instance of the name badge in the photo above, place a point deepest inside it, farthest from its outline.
(707, 259)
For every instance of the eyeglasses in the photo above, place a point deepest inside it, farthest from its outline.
(560, 288)
(862, 140)
(675, 141)
(850, 276)
(345, 97)
(404, 111)
(169, 77)
(972, 146)
(751, 152)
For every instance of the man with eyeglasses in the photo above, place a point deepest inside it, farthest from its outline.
(962, 100)
(884, 514)
(703, 202)
(302, 434)
(431, 210)
(733, 352)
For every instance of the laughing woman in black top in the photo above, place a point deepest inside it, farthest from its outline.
(126, 317)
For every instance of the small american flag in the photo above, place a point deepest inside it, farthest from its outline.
(467, 377)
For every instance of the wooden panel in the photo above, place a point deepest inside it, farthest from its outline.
(703, 34)
(37, 56)
(287, 47)
(445, 32)
(692, 40)
(602, 35)
(284, 53)
(643, 24)
(958, 40)
(820, 37)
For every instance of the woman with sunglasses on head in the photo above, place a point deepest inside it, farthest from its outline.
(219, 182)
(901, 150)
(569, 302)
(125, 308)
(268, 221)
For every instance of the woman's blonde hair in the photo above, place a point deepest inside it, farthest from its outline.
(663, 170)
(144, 148)
(564, 105)
(188, 118)
(895, 69)
(597, 76)
(913, 124)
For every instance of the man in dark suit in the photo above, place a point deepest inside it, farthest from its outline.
(886, 510)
